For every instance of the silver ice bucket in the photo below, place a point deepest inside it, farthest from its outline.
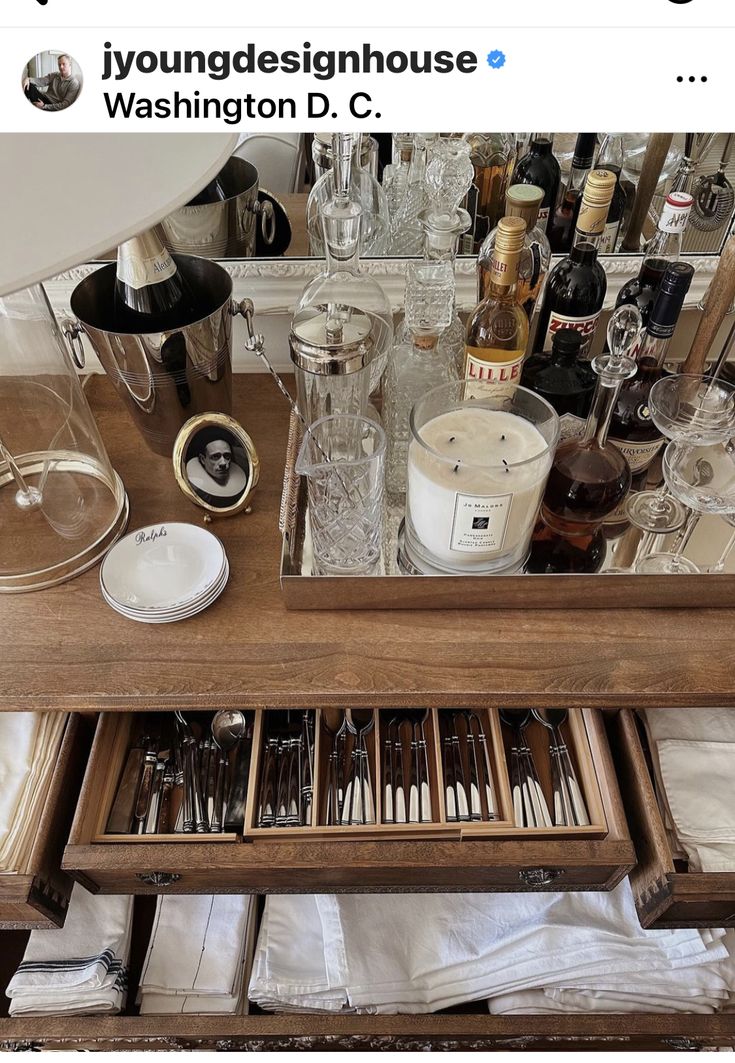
(224, 228)
(163, 378)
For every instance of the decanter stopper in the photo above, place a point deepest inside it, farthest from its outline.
(449, 175)
(623, 331)
(342, 147)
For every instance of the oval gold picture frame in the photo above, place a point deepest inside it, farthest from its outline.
(222, 483)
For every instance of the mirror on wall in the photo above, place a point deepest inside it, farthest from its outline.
(265, 202)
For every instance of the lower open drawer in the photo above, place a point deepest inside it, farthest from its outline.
(38, 897)
(667, 895)
(446, 857)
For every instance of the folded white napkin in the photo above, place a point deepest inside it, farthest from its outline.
(196, 955)
(422, 953)
(29, 747)
(80, 969)
(693, 756)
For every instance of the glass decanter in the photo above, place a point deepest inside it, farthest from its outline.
(448, 176)
(343, 282)
(590, 477)
(362, 188)
(421, 364)
(404, 184)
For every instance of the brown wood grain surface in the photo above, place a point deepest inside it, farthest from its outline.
(65, 648)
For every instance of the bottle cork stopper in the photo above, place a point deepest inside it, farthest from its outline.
(598, 191)
(524, 201)
(511, 235)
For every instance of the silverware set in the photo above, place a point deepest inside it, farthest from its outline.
(185, 784)
(469, 788)
(406, 781)
(350, 792)
(530, 808)
(285, 793)
(569, 807)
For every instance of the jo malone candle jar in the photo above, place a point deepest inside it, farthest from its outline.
(477, 468)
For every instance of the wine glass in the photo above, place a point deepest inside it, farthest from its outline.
(703, 479)
(719, 565)
(694, 411)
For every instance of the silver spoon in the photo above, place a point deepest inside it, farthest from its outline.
(554, 719)
(229, 727)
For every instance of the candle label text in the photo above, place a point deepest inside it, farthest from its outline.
(480, 522)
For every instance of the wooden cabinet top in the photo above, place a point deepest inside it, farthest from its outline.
(64, 648)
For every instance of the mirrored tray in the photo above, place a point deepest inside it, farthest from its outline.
(390, 589)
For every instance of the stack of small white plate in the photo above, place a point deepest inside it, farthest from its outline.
(163, 573)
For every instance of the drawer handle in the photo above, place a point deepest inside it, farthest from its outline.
(540, 876)
(159, 878)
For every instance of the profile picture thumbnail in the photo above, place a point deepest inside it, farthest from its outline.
(52, 81)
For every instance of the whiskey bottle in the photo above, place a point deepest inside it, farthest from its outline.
(562, 378)
(576, 287)
(561, 228)
(664, 248)
(611, 158)
(589, 477)
(521, 201)
(150, 293)
(497, 332)
(540, 167)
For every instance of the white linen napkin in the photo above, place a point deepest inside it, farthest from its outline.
(80, 969)
(196, 955)
(693, 756)
(29, 747)
(422, 953)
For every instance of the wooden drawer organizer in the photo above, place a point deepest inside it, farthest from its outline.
(667, 895)
(442, 856)
(469, 1027)
(38, 898)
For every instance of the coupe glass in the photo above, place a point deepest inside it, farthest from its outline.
(703, 479)
(694, 411)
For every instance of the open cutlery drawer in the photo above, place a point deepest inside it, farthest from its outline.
(445, 856)
(37, 897)
(667, 894)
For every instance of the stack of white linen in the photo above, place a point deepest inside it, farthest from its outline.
(197, 956)
(417, 954)
(81, 969)
(29, 747)
(693, 756)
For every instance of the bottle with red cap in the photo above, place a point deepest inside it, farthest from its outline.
(663, 249)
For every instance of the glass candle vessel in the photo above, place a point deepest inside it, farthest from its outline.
(477, 468)
(62, 505)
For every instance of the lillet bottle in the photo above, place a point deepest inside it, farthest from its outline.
(521, 201)
(497, 332)
(589, 477)
(576, 287)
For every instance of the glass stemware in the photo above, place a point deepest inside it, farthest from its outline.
(719, 565)
(694, 411)
(703, 479)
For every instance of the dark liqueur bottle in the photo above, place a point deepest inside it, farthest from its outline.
(589, 477)
(576, 287)
(539, 166)
(151, 295)
(561, 226)
(632, 429)
(664, 248)
(562, 378)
